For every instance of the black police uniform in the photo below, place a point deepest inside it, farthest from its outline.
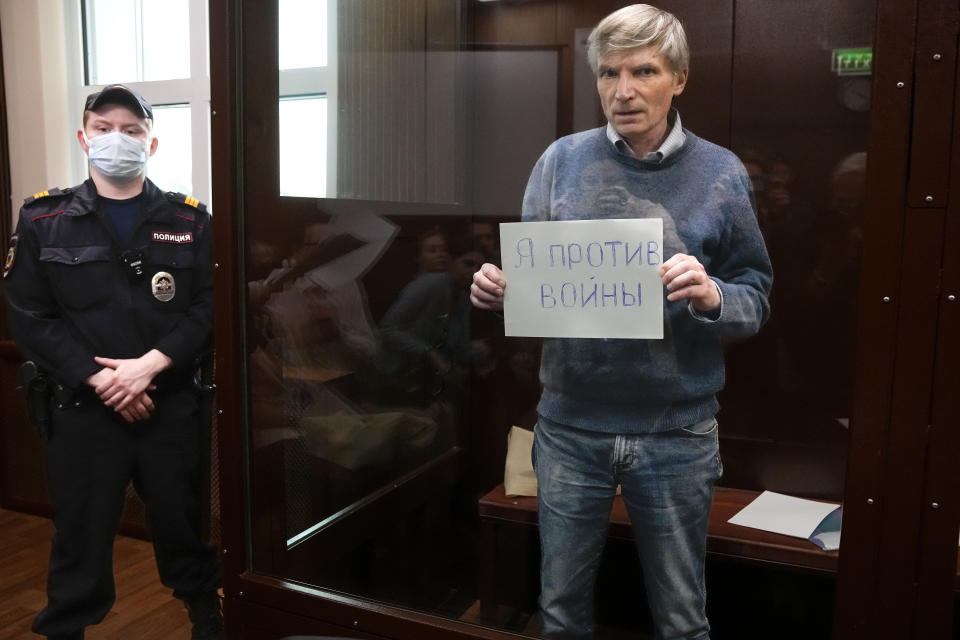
(73, 294)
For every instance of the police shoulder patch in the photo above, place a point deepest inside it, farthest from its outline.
(11, 256)
(190, 201)
(48, 193)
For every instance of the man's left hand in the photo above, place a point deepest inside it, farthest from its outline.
(132, 377)
(685, 278)
(140, 408)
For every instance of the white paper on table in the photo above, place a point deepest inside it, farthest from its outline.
(583, 278)
(788, 515)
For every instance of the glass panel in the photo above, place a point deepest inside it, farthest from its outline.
(303, 34)
(380, 403)
(303, 139)
(381, 149)
(130, 41)
(807, 159)
(171, 167)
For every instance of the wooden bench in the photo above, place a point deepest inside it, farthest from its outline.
(723, 538)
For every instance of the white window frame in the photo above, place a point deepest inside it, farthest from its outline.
(317, 81)
(193, 91)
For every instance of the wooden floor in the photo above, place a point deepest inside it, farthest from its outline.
(145, 609)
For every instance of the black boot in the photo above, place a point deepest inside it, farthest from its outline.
(76, 635)
(206, 616)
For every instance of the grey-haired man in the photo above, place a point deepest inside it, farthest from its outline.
(640, 413)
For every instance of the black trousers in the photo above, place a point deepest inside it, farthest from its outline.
(92, 455)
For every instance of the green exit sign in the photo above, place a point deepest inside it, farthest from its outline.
(852, 62)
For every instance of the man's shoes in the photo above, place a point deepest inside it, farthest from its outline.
(76, 635)
(206, 616)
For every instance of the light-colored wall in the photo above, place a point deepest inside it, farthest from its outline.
(41, 125)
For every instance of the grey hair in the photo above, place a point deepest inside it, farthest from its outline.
(637, 26)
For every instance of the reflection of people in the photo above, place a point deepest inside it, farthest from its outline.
(782, 217)
(824, 345)
(772, 186)
(485, 241)
(432, 253)
(611, 413)
(765, 367)
(328, 326)
(425, 335)
(110, 291)
(842, 222)
(312, 323)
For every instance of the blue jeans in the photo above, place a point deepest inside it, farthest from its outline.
(667, 485)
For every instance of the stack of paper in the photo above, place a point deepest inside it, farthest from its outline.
(818, 522)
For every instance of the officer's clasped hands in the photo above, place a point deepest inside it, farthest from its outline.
(123, 383)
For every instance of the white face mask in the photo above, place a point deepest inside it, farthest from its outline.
(117, 155)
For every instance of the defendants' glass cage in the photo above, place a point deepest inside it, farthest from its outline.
(368, 405)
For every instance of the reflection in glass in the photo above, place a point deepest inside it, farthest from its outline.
(129, 40)
(380, 403)
(303, 147)
(425, 334)
(303, 34)
(171, 167)
(808, 166)
(355, 409)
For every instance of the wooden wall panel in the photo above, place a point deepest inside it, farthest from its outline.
(902, 508)
(878, 303)
(936, 58)
(704, 105)
(514, 119)
(937, 575)
(397, 96)
(446, 102)
(529, 23)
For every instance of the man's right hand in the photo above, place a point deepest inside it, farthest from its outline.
(486, 292)
(140, 408)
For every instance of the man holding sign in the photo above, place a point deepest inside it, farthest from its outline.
(638, 413)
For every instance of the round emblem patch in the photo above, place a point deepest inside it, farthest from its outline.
(163, 286)
(11, 256)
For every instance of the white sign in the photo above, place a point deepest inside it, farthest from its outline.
(583, 278)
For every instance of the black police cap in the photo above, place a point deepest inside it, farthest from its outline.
(119, 94)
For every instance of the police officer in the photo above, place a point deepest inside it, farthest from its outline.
(110, 291)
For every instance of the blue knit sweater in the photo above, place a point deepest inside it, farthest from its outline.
(703, 195)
